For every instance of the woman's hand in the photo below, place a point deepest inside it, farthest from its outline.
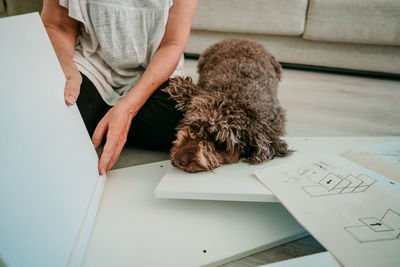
(72, 88)
(116, 123)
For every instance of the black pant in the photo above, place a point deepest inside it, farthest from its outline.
(153, 127)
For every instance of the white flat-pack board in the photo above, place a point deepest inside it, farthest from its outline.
(133, 228)
(49, 183)
(352, 211)
(322, 259)
(237, 182)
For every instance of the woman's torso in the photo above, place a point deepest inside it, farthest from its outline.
(116, 41)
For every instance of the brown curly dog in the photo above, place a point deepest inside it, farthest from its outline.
(233, 112)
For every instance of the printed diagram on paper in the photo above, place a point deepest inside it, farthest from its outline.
(323, 179)
(353, 211)
(373, 229)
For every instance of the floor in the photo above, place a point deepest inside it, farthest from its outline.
(317, 104)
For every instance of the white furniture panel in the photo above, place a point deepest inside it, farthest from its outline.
(237, 182)
(49, 183)
(133, 228)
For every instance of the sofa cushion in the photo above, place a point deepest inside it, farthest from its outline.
(297, 50)
(279, 17)
(15, 7)
(356, 21)
(2, 9)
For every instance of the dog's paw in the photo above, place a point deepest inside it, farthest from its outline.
(266, 151)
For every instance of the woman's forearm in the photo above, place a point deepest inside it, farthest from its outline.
(165, 60)
(162, 65)
(62, 31)
(65, 49)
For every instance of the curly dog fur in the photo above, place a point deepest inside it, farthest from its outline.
(233, 112)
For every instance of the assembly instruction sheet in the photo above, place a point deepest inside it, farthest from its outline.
(352, 211)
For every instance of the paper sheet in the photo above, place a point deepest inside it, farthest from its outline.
(352, 211)
(49, 179)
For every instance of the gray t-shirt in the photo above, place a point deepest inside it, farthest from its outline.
(116, 41)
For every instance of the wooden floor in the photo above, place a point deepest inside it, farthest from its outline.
(332, 104)
(317, 104)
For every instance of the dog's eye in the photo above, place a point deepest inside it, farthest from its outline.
(220, 146)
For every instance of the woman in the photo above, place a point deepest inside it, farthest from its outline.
(116, 56)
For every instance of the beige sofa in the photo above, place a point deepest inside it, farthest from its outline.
(346, 34)
(16, 7)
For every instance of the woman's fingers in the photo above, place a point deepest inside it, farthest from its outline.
(117, 152)
(71, 91)
(116, 123)
(99, 132)
(108, 152)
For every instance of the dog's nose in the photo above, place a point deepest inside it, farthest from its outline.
(181, 158)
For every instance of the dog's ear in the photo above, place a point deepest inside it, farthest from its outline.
(181, 90)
